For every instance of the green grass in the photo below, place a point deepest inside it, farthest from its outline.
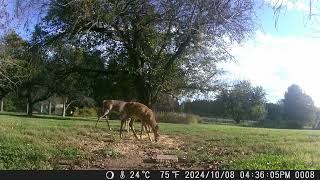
(250, 148)
(50, 142)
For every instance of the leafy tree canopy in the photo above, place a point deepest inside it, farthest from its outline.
(298, 107)
(243, 101)
(163, 46)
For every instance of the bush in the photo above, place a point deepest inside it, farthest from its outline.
(14, 104)
(282, 124)
(9, 105)
(177, 118)
(85, 112)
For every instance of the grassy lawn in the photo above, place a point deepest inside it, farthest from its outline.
(44, 142)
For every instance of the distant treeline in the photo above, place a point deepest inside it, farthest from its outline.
(208, 108)
(243, 102)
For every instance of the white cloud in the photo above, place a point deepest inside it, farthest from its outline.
(277, 62)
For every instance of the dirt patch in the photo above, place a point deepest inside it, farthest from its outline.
(107, 151)
(129, 153)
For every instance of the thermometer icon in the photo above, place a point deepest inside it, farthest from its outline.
(122, 176)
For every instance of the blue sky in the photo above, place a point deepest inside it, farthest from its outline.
(276, 57)
(24, 21)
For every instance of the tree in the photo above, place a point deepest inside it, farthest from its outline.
(274, 112)
(69, 66)
(243, 101)
(163, 46)
(37, 86)
(257, 103)
(298, 107)
(208, 108)
(317, 119)
(12, 73)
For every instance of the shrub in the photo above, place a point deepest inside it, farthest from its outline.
(85, 112)
(9, 105)
(282, 124)
(13, 103)
(177, 118)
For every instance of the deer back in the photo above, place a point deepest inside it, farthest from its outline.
(114, 105)
(140, 111)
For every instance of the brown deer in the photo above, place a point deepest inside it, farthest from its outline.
(135, 110)
(115, 106)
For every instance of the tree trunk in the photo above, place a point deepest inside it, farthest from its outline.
(144, 94)
(146, 100)
(50, 106)
(30, 103)
(41, 108)
(30, 109)
(237, 119)
(1, 106)
(64, 107)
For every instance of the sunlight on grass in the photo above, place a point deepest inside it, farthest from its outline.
(47, 142)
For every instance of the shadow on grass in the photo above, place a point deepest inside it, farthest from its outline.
(49, 117)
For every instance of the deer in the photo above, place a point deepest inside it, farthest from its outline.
(112, 105)
(118, 106)
(135, 110)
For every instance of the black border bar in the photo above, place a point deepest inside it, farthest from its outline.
(157, 174)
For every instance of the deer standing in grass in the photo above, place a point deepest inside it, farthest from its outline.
(112, 105)
(135, 110)
(129, 111)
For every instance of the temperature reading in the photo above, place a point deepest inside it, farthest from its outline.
(138, 174)
(165, 174)
(134, 175)
(169, 174)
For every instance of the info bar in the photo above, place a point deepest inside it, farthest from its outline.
(159, 174)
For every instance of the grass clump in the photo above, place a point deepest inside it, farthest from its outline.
(68, 153)
(110, 152)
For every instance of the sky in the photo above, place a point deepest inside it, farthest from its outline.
(22, 20)
(281, 54)
(277, 54)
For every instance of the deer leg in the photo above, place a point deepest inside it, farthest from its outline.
(97, 122)
(108, 124)
(121, 126)
(105, 114)
(131, 127)
(141, 130)
(127, 125)
(124, 118)
(148, 134)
